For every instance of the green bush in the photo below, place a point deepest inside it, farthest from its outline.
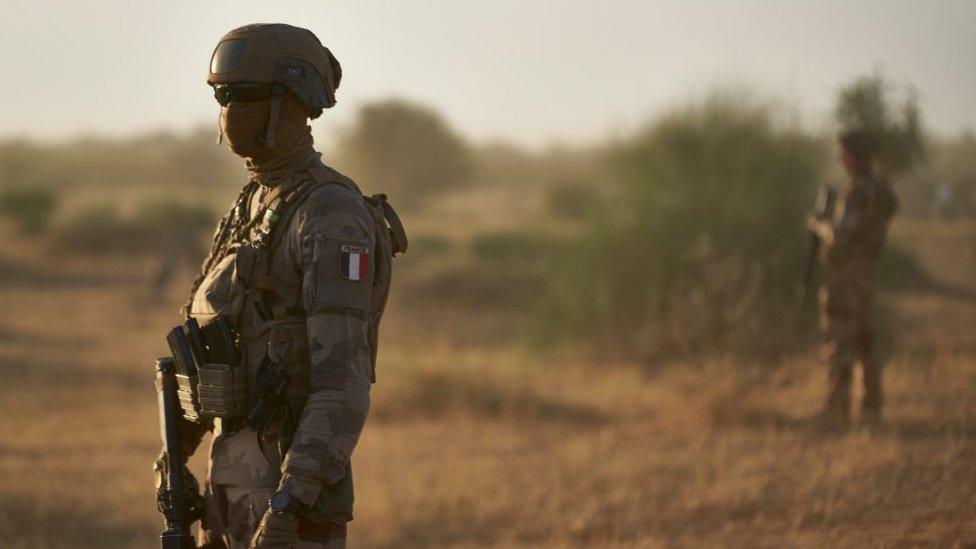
(96, 228)
(570, 201)
(513, 246)
(870, 102)
(167, 214)
(950, 166)
(701, 245)
(430, 245)
(29, 208)
(898, 270)
(406, 150)
(155, 224)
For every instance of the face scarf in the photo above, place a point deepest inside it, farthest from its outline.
(244, 126)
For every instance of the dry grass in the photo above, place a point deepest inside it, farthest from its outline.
(490, 446)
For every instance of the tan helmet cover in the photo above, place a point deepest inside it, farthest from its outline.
(265, 53)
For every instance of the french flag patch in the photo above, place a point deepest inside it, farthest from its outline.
(354, 262)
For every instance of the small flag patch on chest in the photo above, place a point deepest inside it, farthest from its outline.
(354, 262)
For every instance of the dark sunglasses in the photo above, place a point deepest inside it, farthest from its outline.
(243, 93)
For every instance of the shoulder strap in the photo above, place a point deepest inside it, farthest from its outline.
(225, 232)
(398, 235)
(286, 209)
(288, 206)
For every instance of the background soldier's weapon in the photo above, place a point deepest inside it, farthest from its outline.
(824, 209)
(178, 505)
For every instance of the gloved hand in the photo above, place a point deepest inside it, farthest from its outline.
(191, 488)
(276, 531)
(814, 223)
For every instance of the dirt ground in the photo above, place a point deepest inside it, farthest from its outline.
(490, 445)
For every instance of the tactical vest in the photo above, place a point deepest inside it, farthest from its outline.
(237, 272)
(875, 204)
(267, 310)
(884, 207)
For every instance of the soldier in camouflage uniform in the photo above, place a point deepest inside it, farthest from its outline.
(300, 268)
(851, 243)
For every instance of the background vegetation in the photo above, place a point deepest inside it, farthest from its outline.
(872, 103)
(592, 345)
(407, 149)
(684, 252)
(685, 236)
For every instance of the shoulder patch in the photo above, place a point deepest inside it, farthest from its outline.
(354, 262)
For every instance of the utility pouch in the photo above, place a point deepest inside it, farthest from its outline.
(186, 373)
(186, 390)
(246, 265)
(221, 390)
(207, 385)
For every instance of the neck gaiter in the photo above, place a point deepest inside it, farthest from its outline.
(244, 126)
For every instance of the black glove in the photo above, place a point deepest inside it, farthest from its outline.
(192, 500)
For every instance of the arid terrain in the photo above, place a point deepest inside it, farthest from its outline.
(475, 441)
(604, 332)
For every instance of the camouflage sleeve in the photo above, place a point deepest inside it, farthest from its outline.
(336, 257)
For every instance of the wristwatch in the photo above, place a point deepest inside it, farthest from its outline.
(282, 502)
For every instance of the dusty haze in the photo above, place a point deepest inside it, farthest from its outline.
(532, 72)
(592, 345)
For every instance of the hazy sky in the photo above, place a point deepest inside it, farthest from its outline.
(529, 70)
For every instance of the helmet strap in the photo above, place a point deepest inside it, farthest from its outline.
(277, 93)
(220, 131)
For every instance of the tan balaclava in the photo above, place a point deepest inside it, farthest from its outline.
(244, 126)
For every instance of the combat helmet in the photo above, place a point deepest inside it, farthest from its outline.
(265, 60)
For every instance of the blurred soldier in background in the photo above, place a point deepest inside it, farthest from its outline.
(300, 268)
(851, 243)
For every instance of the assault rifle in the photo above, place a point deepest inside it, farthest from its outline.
(177, 498)
(824, 209)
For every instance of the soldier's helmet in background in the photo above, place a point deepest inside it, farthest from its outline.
(257, 62)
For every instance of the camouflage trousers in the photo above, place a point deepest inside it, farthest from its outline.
(845, 320)
(240, 481)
